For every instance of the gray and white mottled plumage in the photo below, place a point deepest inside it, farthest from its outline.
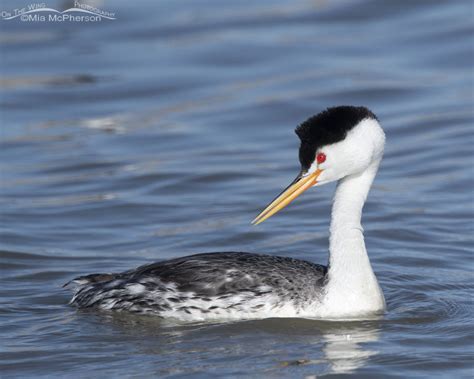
(207, 286)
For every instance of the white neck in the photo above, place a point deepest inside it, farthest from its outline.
(352, 288)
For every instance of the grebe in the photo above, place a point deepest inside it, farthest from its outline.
(343, 144)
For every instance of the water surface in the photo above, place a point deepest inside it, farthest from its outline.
(164, 132)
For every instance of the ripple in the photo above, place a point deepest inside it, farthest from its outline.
(18, 82)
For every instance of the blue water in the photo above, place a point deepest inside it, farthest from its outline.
(163, 133)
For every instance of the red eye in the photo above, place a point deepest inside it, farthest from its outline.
(320, 158)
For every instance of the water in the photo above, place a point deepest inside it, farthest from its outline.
(164, 132)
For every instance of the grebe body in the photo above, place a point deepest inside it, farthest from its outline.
(343, 144)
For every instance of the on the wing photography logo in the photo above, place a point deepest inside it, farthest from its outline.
(40, 12)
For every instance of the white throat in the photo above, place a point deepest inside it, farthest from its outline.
(352, 288)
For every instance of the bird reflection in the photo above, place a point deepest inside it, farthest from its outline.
(344, 347)
(329, 347)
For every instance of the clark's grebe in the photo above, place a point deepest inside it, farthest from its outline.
(343, 144)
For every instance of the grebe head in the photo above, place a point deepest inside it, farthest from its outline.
(336, 143)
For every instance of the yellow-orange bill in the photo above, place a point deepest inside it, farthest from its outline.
(300, 185)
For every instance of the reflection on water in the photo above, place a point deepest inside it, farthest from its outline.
(345, 350)
(329, 347)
